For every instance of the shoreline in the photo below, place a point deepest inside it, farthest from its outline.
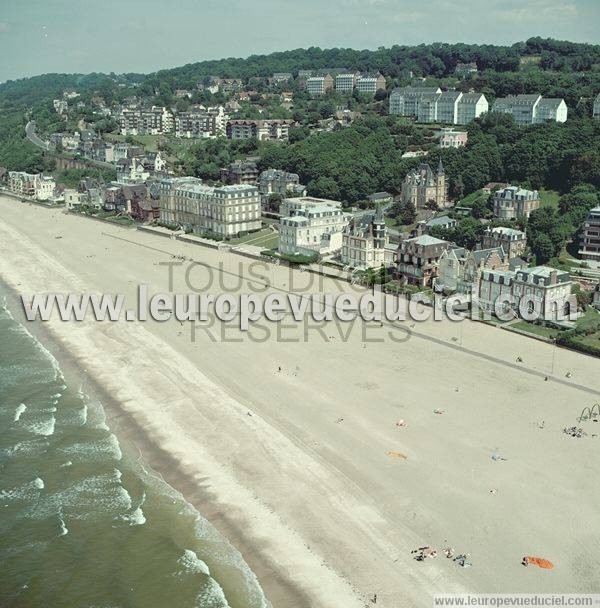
(298, 460)
(132, 438)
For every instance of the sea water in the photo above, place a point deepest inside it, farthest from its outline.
(83, 525)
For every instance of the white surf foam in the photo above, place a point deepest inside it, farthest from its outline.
(191, 563)
(20, 409)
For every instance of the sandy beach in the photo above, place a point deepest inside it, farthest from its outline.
(299, 468)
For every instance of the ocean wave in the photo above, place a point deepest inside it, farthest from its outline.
(212, 596)
(31, 447)
(191, 563)
(41, 427)
(94, 451)
(20, 409)
(25, 492)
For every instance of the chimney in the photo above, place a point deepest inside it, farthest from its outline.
(553, 277)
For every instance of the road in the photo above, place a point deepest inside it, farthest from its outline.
(34, 138)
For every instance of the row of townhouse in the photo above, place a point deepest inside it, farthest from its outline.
(130, 199)
(225, 210)
(531, 109)
(431, 105)
(262, 130)
(345, 82)
(33, 185)
(425, 260)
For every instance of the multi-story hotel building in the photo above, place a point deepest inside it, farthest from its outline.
(224, 210)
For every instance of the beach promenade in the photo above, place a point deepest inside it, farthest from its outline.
(287, 439)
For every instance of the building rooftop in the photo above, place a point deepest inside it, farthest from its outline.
(426, 239)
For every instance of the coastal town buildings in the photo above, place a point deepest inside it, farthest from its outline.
(512, 241)
(449, 138)
(531, 109)
(319, 85)
(417, 260)
(423, 185)
(282, 183)
(225, 210)
(311, 225)
(513, 202)
(33, 185)
(589, 246)
(364, 241)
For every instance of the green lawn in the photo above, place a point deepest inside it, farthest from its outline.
(472, 198)
(549, 198)
(590, 318)
(266, 238)
(538, 330)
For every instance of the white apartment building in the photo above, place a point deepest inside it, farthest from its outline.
(532, 109)
(470, 106)
(596, 108)
(430, 104)
(447, 107)
(224, 210)
(311, 225)
(405, 101)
